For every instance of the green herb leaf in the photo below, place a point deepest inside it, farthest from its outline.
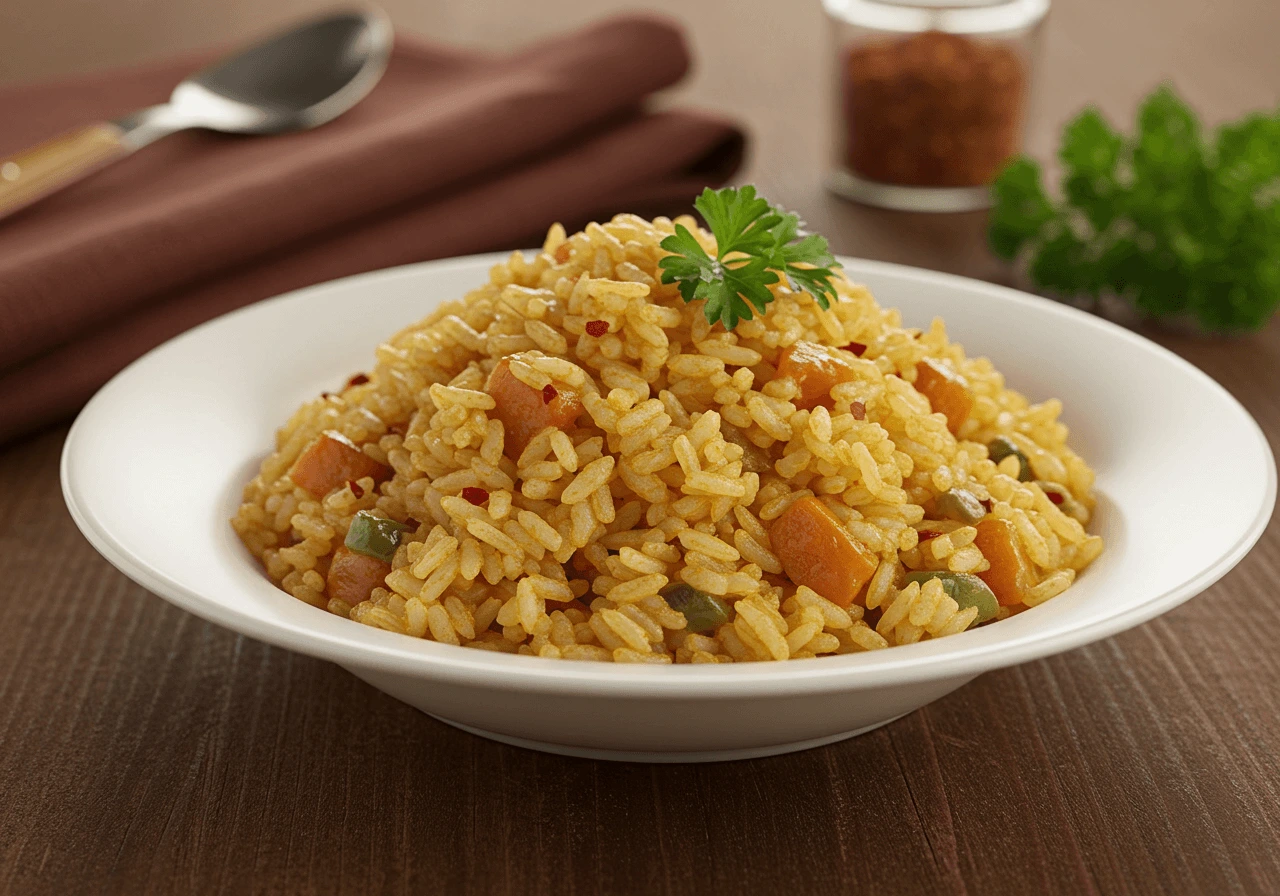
(740, 219)
(689, 266)
(1090, 153)
(1176, 223)
(1023, 208)
(806, 261)
(756, 244)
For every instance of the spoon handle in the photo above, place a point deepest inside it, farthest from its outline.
(52, 165)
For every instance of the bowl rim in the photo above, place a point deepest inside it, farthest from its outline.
(369, 648)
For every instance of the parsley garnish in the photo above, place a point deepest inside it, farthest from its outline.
(755, 242)
(1173, 223)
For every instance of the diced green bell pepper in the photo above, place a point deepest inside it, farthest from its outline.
(374, 536)
(966, 590)
(703, 612)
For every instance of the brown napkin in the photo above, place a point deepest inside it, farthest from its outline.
(453, 152)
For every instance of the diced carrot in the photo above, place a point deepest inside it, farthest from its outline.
(815, 369)
(525, 411)
(353, 576)
(817, 551)
(947, 391)
(1010, 575)
(331, 461)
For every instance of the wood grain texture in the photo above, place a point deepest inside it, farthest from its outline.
(56, 163)
(145, 751)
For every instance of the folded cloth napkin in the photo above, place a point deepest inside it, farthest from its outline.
(453, 152)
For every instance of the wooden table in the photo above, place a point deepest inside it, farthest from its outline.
(142, 750)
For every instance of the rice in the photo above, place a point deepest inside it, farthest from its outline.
(566, 549)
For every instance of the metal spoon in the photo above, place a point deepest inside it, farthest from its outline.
(295, 80)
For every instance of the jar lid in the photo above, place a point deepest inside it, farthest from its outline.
(954, 16)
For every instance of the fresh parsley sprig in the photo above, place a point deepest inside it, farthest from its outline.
(1175, 224)
(755, 242)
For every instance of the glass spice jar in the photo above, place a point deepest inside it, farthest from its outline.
(932, 96)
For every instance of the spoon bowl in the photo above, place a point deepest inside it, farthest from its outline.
(301, 78)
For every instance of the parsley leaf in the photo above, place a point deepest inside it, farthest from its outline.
(690, 266)
(755, 243)
(1175, 222)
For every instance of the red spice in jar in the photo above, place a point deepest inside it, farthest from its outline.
(932, 110)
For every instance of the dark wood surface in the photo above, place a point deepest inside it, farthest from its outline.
(145, 751)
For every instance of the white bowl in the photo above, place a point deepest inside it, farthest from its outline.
(153, 468)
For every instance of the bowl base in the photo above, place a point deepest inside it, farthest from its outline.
(665, 757)
(899, 197)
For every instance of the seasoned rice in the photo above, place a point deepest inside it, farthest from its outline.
(567, 552)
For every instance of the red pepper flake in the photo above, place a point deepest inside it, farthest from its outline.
(859, 410)
(1055, 496)
(358, 380)
(856, 347)
(927, 534)
(355, 488)
(412, 523)
(561, 254)
(326, 395)
(597, 327)
(986, 503)
(476, 496)
(549, 393)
